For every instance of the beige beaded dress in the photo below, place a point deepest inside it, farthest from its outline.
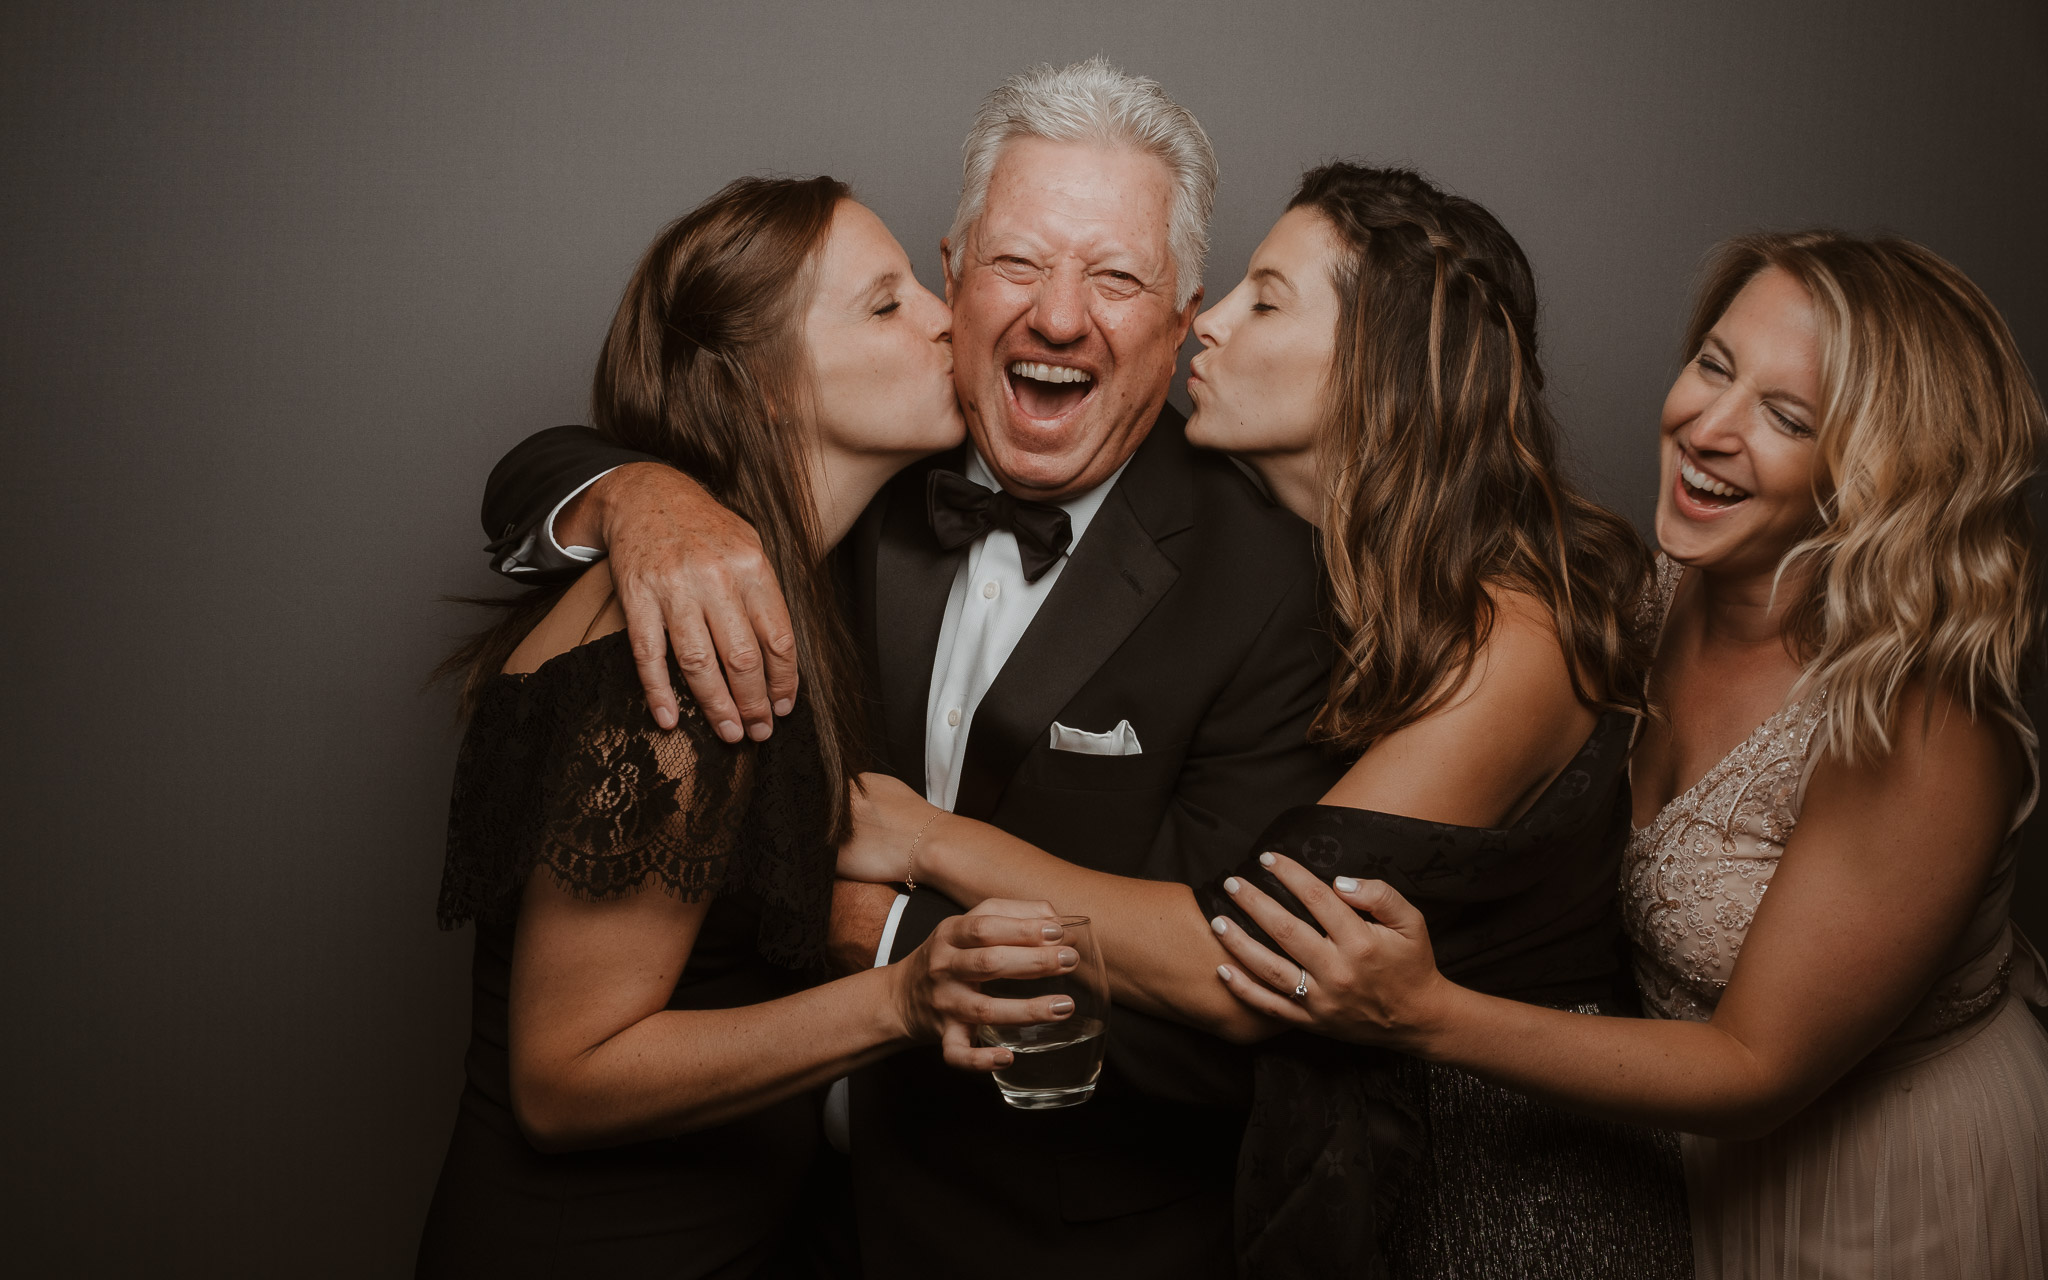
(1930, 1157)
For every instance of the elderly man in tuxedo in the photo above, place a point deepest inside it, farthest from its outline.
(1079, 629)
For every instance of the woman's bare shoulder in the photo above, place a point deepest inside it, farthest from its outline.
(1943, 758)
(587, 611)
(1522, 664)
(1512, 723)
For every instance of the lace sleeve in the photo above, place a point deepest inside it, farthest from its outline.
(625, 803)
(565, 769)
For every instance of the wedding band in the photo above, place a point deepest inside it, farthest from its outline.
(1301, 988)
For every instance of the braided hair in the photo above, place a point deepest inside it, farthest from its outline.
(1439, 457)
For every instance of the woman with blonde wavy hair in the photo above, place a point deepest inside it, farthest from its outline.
(1847, 603)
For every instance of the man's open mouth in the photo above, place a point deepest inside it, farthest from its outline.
(1705, 491)
(1048, 390)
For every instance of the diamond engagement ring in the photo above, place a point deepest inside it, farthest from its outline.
(1301, 988)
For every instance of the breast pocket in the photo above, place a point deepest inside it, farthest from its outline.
(1075, 771)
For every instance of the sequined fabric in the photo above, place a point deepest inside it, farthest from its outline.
(1692, 880)
(1514, 1187)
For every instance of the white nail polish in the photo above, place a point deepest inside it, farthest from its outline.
(1265, 859)
(1219, 924)
(1223, 972)
(1230, 884)
(1345, 884)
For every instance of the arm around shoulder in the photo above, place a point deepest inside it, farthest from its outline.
(529, 485)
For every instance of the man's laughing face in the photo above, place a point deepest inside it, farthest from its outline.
(1065, 331)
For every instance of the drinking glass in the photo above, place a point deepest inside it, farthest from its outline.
(1054, 1064)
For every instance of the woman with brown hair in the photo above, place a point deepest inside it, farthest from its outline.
(1378, 368)
(1848, 601)
(651, 904)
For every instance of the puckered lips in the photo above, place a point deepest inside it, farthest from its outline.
(1047, 391)
(1702, 496)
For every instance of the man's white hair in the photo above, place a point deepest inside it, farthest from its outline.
(1095, 102)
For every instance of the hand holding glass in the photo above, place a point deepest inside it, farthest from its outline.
(1055, 1064)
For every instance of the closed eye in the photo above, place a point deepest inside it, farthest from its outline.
(1791, 425)
(887, 308)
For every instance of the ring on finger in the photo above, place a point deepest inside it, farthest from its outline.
(1301, 987)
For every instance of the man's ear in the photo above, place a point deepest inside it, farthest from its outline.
(1188, 314)
(946, 267)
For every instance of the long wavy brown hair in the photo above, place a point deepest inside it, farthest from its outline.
(1922, 564)
(1439, 461)
(705, 368)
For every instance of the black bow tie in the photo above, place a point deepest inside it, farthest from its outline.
(962, 511)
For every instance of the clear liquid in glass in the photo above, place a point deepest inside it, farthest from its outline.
(1055, 1063)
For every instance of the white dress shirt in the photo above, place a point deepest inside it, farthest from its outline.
(990, 608)
(986, 615)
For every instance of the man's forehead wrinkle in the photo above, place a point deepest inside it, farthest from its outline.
(1097, 240)
(1070, 208)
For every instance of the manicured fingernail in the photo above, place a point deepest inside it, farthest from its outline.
(1230, 884)
(782, 707)
(1063, 1006)
(1265, 859)
(730, 730)
(1052, 933)
(1223, 972)
(1219, 924)
(1345, 884)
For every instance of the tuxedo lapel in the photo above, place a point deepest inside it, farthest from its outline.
(913, 578)
(1110, 582)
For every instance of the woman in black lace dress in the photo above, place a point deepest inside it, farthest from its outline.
(1378, 367)
(652, 905)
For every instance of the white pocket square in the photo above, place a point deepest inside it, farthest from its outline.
(1120, 741)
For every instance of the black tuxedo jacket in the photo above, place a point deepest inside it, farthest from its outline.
(1189, 609)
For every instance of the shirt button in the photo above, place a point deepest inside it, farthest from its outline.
(989, 590)
(953, 718)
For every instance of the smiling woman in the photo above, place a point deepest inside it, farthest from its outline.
(1847, 601)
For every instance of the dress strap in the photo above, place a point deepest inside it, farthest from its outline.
(1652, 607)
(2029, 970)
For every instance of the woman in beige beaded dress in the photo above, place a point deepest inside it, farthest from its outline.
(1846, 601)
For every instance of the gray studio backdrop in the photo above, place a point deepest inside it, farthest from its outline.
(281, 282)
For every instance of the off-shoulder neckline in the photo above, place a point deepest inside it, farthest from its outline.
(587, 647)
(1544, 803)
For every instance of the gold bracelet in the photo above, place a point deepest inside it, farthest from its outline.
(910, 858)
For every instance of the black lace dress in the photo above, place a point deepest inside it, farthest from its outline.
(1360, 1163)
(565, 769)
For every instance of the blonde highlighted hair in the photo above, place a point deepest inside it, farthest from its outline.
(1922, 567)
